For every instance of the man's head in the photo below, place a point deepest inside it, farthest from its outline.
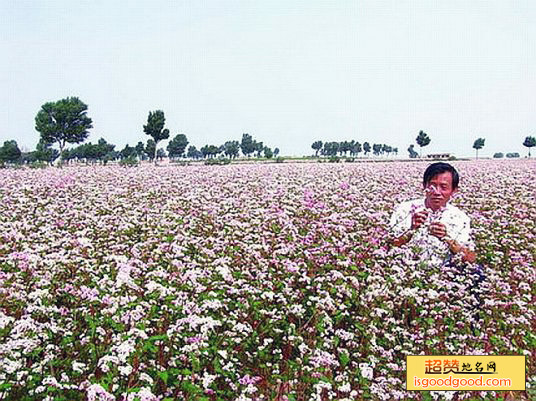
(440, 182)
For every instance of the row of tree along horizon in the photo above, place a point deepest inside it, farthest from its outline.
(66, 121)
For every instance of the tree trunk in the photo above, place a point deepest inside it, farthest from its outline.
(60, 157)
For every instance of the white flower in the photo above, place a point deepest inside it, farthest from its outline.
(125, 370)
(366, 371)
(78, 366)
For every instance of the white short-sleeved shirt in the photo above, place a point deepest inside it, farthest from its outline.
(457, 223)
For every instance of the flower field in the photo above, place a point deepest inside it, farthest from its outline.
(251, 282)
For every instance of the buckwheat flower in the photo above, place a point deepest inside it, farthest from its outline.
(103, 362)
(124, 350)
(40, 389)
(208, 379)
(247, 379)
(124, 276)
(366, 371)
(96, 393)
(125, 370)
(323, 359)
(51, 381)
(5, 320)
(78, 367)
(144, 394)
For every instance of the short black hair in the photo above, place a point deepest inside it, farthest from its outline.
(440, 168)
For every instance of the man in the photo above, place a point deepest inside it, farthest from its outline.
(438, 229)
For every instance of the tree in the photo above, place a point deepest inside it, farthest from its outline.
(330, 148)
(45, 153)
(128, 152)
(155, 129)
(529, 142)
(247, 145)
(412, 153)
(160, 154)
(210, 151)
(150, 149)
(344, 147)
(376, 149)
(231, 149)
(193, 153)
(64, 121)
(276, 151)
(386, 149)
(177, 146)
(478, 144)
(259, 147)
(355, 148)
(10, 152)
(422, 140)
(366, 148)
(111, 155)
(88, 152)
(316, 147)
(268, 152)
(140, 150)
(103, 149)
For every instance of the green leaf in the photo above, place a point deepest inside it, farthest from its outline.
(344, 358)
(164, 376)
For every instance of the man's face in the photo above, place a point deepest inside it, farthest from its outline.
(439, 190)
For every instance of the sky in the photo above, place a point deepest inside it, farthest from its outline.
(287, 72)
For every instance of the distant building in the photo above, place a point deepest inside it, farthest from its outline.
(438, 156)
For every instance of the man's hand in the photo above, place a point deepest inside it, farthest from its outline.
(438, 230)
(418, 219)
(467, 254)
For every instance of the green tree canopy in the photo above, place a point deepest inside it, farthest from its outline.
(193, 153)
(366, 148)
(104, 149)
(355, 148)
(376, 149)
(529, 142)
(177, 146)
(268, 152)
(231, 149)
(344, 147)
(478, 144)
(247, 145)
(45, 153)
(259, 147)
(412, 153)
(10, 152)
(155, 128)
(317, 145)
(128, 152)
(64, 121)
(140, 150)
(150, 148)
(422, 140)
(160, 154)
(330, 148)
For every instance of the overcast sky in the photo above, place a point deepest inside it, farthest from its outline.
(287, 72)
